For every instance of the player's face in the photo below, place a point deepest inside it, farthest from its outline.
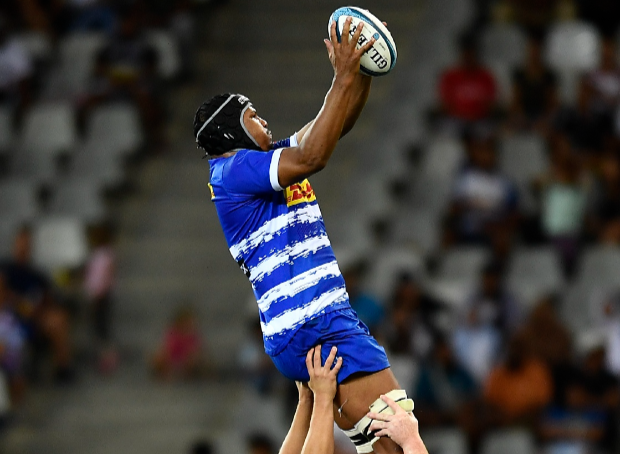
(258, 128)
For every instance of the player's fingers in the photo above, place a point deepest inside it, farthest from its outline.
(358, 33)
(317, 357)
(346, 29)
(384, 23)
(393, 405)
(383, 433)
(377, 425)
(366, 47)
(337, 366)
(329, 46)
(309, 359)
(333, 36)
(329, 362)
(380, 416)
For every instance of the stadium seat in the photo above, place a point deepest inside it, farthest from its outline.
(59, 242)
(522, 158)
(77, 57)
(79, 198)
(444, 441)
(37, 167)
(463, 264)
(106, 169)
(572, 46)
(37, 44)
(503, 80)
(534, 272)
(431, 193)
(49, 128)
(442, 157)
(166, 46)
(121, 118)
(18, 200)
(8, 229)
(513, 441)
(405, 369)
(449, 16)
(452, 292)
(600, 266)
(388, 263)
(436, 50)
(422, 90)
(503, 43)
(6, 130)
(418, 229)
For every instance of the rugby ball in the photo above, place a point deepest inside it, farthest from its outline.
(381, 57)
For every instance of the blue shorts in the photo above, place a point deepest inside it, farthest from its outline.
(359, 350)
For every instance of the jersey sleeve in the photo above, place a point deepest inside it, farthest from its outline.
(252, 172)
(289, 142)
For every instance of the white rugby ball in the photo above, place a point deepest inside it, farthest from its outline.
(381, 57)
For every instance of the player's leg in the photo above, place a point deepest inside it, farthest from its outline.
(354, 397)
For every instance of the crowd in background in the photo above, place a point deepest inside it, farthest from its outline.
(39, 310)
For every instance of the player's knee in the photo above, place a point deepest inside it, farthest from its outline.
(361, 435)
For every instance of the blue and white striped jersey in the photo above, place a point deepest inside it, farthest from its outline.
(278, 238)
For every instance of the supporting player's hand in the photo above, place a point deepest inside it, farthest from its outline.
(401, 427)
(323, 379)
(305, 393)
(343, 55)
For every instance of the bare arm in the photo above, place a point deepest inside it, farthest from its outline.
(323, 383)
(318, 143)
(294, 441)
(360, 93)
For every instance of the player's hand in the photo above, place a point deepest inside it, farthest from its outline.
(323, 379)
(343, 55)
(305, 393)
(401, 427)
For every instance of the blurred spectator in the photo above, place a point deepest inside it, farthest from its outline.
(595, 396)
(259, 443)
(605, 309)
(520, 388)
(534, 91)
(180, 355)
(491, 314)
(255, 364)
(86, 16)
(564, 192)
(202, 447)
(550, 341)
(367, 307)
(604, 216)
(534, 15)
(413, 325)
(16, 70)
(604, 14)
(12, 341)
(43, 320)
(99, 282)
(126, 69)
(605, 81)
(467, 91)
(484, 200)
(443, 389)
(589, 131)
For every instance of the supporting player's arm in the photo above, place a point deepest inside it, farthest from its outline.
(323, 383)
(294, 441)
(318, 143)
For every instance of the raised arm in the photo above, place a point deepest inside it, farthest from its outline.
(323, 383)
(294, 441)
(319, 141)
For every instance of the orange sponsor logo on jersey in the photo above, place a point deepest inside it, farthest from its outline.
(299, 193)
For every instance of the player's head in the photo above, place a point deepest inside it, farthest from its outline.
(227, 122)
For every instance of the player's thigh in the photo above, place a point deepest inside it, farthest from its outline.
(357, 393)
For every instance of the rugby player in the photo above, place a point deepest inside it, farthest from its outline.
(312, 430)
(275, 232)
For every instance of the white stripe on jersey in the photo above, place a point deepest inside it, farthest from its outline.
(288, 254)
(292, 318)
(307, 214)
(298, 284)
